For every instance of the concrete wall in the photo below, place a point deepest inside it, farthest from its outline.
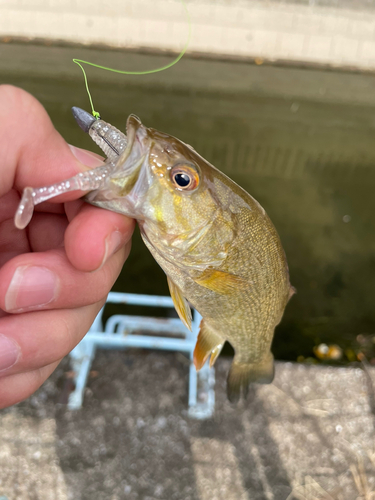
(301, 32)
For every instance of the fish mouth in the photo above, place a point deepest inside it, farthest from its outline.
(133, 147)
(127, 174)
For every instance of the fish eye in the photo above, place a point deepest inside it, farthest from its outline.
(184, 177)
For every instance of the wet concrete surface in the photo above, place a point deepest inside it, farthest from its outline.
(306, 436)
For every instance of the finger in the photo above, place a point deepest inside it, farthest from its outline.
(46, 231)
(33, 152)
(47, 280)
(20, 386)
(72, 208)
(8, 204)
(94, 235)
(32, 340)
(11, 240)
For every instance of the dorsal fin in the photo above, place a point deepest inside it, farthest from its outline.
(207, 342)
(180, 303)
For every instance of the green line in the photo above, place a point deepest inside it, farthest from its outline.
(147, 72)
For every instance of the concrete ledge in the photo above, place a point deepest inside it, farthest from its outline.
(262, 30)
(308, 435)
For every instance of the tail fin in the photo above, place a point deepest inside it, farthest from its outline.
(241, 375)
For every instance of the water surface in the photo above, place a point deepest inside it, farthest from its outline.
(301, 141)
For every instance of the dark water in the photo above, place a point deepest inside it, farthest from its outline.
(300, 141)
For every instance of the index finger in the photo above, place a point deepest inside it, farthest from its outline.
(33, 152)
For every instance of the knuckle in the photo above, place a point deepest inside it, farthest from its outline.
(21, 111)
(12, 97)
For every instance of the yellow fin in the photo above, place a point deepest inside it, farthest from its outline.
(180, 303)
(220, 281)
(292, 291)
(207, 342)
(215, 354)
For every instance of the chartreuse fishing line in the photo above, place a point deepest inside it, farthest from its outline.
(91, 180)
(123, 72)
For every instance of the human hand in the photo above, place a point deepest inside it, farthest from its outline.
(55, 274)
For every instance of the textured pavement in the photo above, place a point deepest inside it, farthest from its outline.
(307, 436)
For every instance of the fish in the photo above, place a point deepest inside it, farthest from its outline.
(216, 244)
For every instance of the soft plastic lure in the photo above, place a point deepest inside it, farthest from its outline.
(107, 137)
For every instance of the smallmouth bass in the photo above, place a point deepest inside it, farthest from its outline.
(216, 244)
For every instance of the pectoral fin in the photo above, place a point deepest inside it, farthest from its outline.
(208, 341)
(220, 281)
(180, 303)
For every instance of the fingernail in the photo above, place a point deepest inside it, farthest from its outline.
(9, 352)
(86, 157)
(31, 287)
(112, 243)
